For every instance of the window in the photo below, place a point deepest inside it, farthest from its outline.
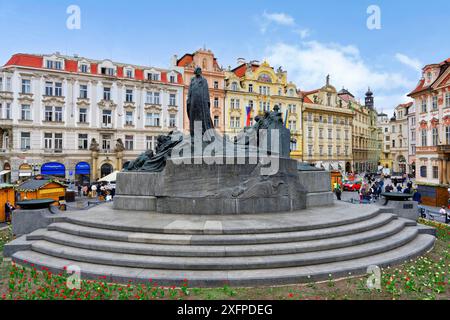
(8, 84)
(129, 95)
(51, 64)
(82, 141)
(153, 76)
(149, 142)
(48, 141)
(83, 115)
(424, 138)
(53, 114)
(107, 71)
(330, 119)
(106, 93)
(129, 118)
(393, 143)
(447, 99)
(172, 79)
(25, 141)
(58, 89)
(84, 68)
(424, 105)
(330, 134)
(6, 114)
(435, 172)
(232, 104)
(346, 135)
(216, 84)
(393, 129)
(26, 86)
(129, 142)
(330, 151)
(310, 150)
(107, 118)
(216, 102)
(129, 73)
(434, 103)
(293, 145)
(172, 100)
(26, 112)
(346, 150)
(423, 171)
(1, 83)
(216, 121)
(320, 133)
(321, 151)
(250, 87)
(83, 91)
(292, 125)
(338, 150)
(447, 134)
(234, 86)
(310, 132)
(152, 119)
(338, 134)
(106, 142)
(49, 88)
(156, 98)
(235, 122)
(172, 121)
(434, 133)
(58, 142)
(309, 117)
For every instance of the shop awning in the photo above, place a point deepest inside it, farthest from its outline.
(2, 173)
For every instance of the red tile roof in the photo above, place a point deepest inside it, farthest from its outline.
(26, 60)
(36, 61)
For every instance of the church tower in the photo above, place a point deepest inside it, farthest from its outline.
(369, 103)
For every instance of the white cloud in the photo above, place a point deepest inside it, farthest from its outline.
(303, 33)
(279, 18)
(310, 62)
(410, 62)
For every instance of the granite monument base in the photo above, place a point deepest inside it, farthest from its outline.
(221, 188)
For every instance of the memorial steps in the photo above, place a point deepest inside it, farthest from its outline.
(240, 250)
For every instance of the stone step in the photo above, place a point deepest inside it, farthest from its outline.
(393, 227)
(222, 239)
(333, 216)
(198, 278)
(226, 263)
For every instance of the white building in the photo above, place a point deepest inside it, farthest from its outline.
(52, 107)
(399, 138)
(412, 128)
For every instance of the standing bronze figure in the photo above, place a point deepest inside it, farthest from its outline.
(198, 103)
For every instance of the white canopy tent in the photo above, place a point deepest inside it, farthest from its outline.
(110, 177)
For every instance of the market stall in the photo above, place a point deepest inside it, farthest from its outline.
(42, 189)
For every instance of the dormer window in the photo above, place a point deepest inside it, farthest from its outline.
(53, 64)
(234, 86)
(107, 71)
(153, 76)
(129, 73)
(84, 68)
(172, 78)
(429, 76)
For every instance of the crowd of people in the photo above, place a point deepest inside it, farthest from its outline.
(97, 190)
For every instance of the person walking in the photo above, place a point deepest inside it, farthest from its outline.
(9, 208)
(94, 191)
(338, 191)
(444, 212)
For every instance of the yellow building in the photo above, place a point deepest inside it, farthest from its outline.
(327, 129)
(260, 87)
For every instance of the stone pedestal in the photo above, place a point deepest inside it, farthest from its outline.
(405, 209)
(27, 221)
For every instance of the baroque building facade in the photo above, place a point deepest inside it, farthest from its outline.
(399, 138)
(258, 88)
(432, 100)
(327, 124)
(385, 141)
(214, 75)
(81, 118)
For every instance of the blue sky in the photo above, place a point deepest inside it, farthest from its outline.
(308, 38)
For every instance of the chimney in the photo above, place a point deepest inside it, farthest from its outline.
(174, 60)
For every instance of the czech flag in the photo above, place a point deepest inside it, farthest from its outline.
(249, 115)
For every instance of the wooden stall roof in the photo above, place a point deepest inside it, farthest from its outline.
(5, 186)
(33, 185)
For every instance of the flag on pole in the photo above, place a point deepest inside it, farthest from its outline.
(249, 115)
